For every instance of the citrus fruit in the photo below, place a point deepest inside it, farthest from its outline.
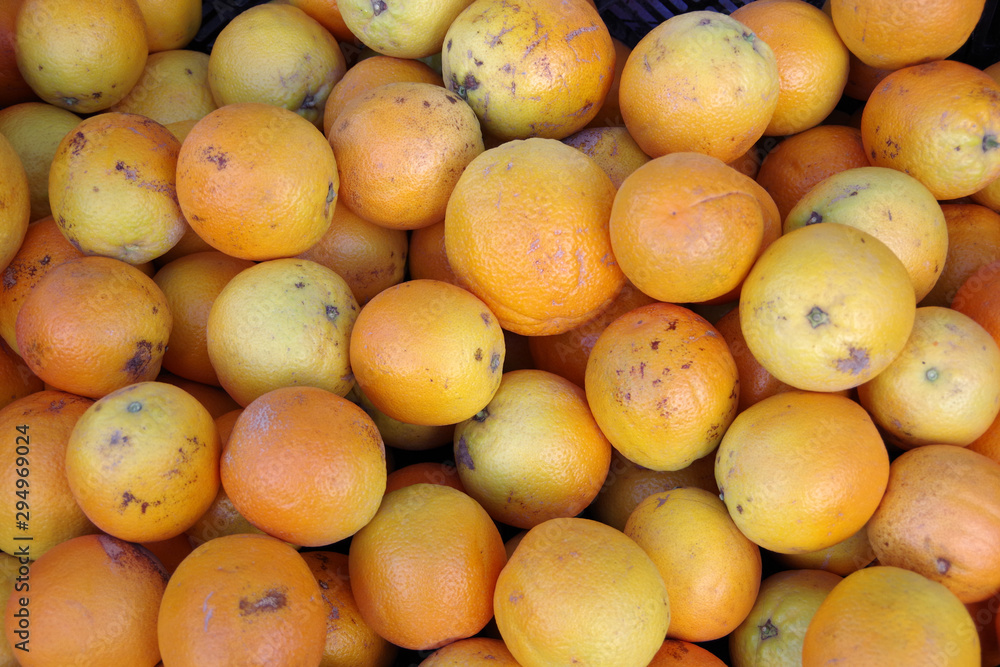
(686, 227)
(613, 148)
(662, 385)
(938, 122)
(939, 518)
(812, 60)
(92, 325)
(842, 558)
(756, 383)
(327, 12)
(256, 181)
(92, 600)
(173, 87)
(679, 653)
(424, 137)
(773, 631)
(15, 194)
(565, 62)
(399, 28)
(423, 570)
(471, 652)
(801, 471)
(280, 323)
(576, 589)
(526, 230)
(112, 187)
(191, 285)
(890, 205)
(427, 352)
(885, 34)
(885, 615)
(13, 88)
(170, 24)
(424, 472)
(801, 161)
(305, 465)
(973, 241)
(81, 56)
(349, 640)
(275, 54)
(367, 256)
(34, 130)
(403, 435)
(427, 256)
(143, 461)
(35, 480)
(838, 330)
(977, 298)
(534, 452)
(711, 570)
(943, 388)
(242, 599)
(699, 81)
(16, 379)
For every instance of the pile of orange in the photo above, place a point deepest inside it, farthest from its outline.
(466, 333)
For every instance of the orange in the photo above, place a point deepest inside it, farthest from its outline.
(628, 484)
(281, 323)
(143, 462)
(35, 479)
(882, 33)
(686, 227)
(13, 88)
(862, 78)
(559, 82)
(367, 256)
(221, 518)
(34, 130)
(16, 379)
(305, 465)
(170, 552)
(81, 56)
(423, 137)
(257, 182)
(370, 73)
(812, 60)
(756, 383)
(173, 87)
(349, 640)
(403, 30)
(15, 193)
(773, 631)
(662, 385)
(886, 615)
(610, 113)
(566, 354)
(613, 148)
(191, 285)
(242, 600)
(112, 187)
(526, 229)
(534, 452)
(44, 247)
(832, 333)
(427, 257)
(225, 423)
(943, 388)
(92, 600)
(472, 652)
(893, 207)
(990, 194)
(842, 558)
(427, 352)
(423, 570)
(711, 570)
(940, 517)
(801, 161)
(275, 54)
(973, 241)
(212, 397)
(677, 652)
(978, 297)
(327, 12)
(92, 325)
(403, 435)
(576, 589)
(424, 472)
(699, 81)
(801, 471)
(911, 122)
(170, 24)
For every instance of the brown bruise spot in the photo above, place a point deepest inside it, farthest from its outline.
(478, 356)
(130, 173)
(495, 362)
(216, 157)
(462, 455)
(855, 362)
(132, 556)
(272, 600)
(137, 365)
(77, 143)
